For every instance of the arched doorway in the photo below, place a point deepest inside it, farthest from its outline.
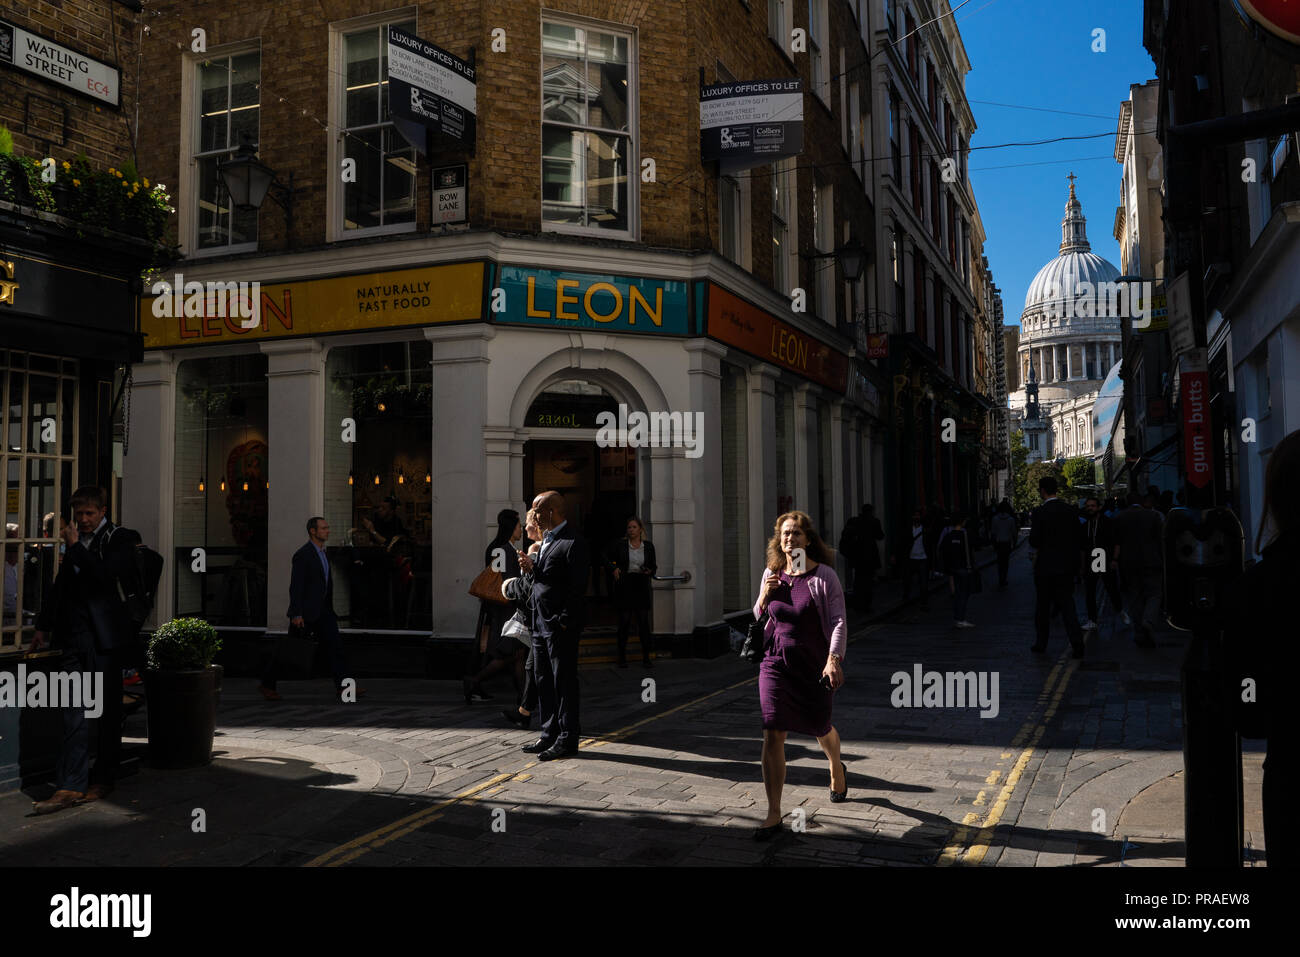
(598, 484)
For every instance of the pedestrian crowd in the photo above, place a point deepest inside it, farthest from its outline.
(533, 611)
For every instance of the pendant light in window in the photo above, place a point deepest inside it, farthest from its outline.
(376, 478)
(351, 477)
(223, 485)
(245, 485)
(428, 478)
(401, 477)
(203, 486)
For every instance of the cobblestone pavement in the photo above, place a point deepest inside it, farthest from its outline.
(1080, 766)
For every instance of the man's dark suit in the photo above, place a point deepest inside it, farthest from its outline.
(559, 613)
(1056, 535)
(311, 598)
(85, 616)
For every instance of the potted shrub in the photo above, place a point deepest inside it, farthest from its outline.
(182, 687)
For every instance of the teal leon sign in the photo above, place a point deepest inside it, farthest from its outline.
(572, 300)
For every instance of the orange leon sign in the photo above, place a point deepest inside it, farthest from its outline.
(738, 323)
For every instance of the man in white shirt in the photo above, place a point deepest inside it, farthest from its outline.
(917, 562)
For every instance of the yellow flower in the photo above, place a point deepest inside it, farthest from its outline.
(76, 182)
(67, 165)
(111, 171)
(146, 182)
(126, 184)
(118, 172)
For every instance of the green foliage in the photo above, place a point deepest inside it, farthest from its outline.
(6, 141)
(116, 199)
(20, 182)
(183, 644)
(1077, 472)
(1023, 497)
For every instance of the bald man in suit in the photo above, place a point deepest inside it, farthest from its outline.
(559, 572)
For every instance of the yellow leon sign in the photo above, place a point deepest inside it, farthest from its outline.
(188, 313)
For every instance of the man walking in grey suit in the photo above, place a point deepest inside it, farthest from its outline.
(311, 606)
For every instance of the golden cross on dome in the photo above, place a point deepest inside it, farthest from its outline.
(1071, 178)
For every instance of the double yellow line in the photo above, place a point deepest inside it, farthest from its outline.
(1030, 733)
(353, 849)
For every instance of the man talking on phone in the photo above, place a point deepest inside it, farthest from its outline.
(88, 623)
(559, 610)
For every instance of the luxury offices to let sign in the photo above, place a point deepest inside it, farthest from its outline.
(430, 91)
(743, 125)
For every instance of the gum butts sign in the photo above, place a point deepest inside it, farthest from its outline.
(188, 313)
(430, 91)
(32, 53)
(743, 125)
(737, 323)
(545, 297)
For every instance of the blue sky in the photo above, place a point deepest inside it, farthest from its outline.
(1038, 53)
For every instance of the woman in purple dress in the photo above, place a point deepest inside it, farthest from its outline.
(802, 667)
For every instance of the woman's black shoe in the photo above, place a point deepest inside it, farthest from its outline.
(517, 719)
(767, 833)
(839, 797)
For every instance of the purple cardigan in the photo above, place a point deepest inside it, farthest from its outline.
(828, 596)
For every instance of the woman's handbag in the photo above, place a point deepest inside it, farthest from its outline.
(755, 645)
(487, 587)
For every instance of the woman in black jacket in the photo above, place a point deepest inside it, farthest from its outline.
(1262, 636)
(633, 562)
(500, 651)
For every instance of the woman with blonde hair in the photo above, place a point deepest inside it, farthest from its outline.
(803, 662)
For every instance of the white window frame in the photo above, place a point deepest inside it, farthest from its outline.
(818, 67)
(633, 231)
(188, 184)
(844, 103)
(785, 264)
(780, 23)
(337, 87)
(824, 241)
(738, 224)
(855, 129)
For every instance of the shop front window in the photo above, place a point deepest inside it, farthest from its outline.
(378, 486)
(38, 419)
(222, 483)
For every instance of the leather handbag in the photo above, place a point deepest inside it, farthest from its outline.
(755, 646)
(487, 587)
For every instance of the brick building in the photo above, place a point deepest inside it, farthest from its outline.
(69, 282)
(472, 361)
(928, 292)
(1231, 216)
